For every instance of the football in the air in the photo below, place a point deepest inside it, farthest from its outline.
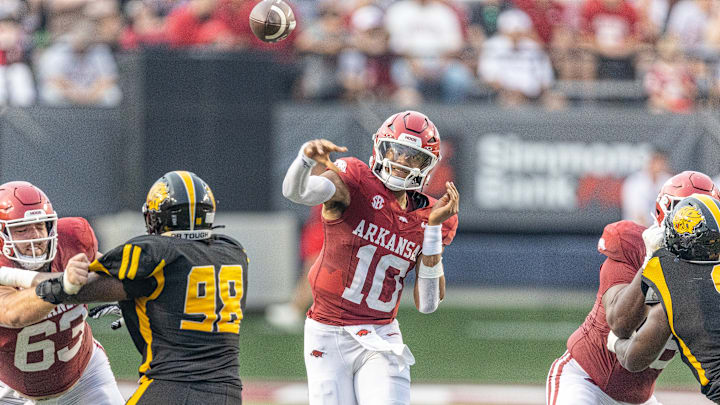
(272, 20)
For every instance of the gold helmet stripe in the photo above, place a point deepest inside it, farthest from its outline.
(708, 201)
(190, 188)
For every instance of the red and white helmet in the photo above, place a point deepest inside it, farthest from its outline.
(21, 203)
(413, 142)
(680, 186)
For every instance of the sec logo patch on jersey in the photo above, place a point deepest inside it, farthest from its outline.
(378, 202)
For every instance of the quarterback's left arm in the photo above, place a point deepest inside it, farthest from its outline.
(430, 281)
(429, 287)
(638, 352)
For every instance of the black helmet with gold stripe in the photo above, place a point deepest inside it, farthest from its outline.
(180, 204)
(692, 229)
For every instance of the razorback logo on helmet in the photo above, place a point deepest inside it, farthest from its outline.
(687, 219)
(363, 332)
(157, 194)
(317, 353)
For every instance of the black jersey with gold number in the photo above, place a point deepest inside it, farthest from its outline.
(186, 302)
(690, 294)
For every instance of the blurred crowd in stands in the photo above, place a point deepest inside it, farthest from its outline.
(665, 53)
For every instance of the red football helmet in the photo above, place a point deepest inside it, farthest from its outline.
(680, 186)
(21, 203)
(407, 142)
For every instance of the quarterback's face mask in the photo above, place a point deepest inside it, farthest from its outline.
(406, 148)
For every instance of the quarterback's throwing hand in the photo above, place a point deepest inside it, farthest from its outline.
(319, 150)
(76, 271)
(446, 206)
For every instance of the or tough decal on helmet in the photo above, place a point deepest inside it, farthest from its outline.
(687, 219)
(157, 194)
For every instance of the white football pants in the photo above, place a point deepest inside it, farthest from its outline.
(357, 365)
(569, 384)
(96, 386)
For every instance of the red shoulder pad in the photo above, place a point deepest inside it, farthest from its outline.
(352, 171)
(622, 241)
(75, 235)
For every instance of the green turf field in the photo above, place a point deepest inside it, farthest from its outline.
(513, 346)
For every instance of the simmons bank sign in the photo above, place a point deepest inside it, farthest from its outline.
(519, 174)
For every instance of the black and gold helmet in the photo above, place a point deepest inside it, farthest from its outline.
(692, 229)
(180, 204)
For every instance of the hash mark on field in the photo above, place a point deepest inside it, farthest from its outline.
(520, 330)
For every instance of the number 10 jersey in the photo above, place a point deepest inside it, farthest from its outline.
(360, 273)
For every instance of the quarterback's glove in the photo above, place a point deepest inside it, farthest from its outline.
(108, 309)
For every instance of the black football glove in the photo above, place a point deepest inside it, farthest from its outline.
(52, 291)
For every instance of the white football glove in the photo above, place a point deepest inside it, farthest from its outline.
(654, 238)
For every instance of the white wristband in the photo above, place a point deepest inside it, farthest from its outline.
(611, 340)
(69, 287)
(14, 277)
(430, 272)
(432, 241)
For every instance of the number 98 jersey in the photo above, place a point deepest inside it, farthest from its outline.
(186, 300)
(368, 251)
